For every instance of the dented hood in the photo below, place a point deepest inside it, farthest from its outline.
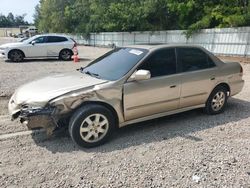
(43, 90)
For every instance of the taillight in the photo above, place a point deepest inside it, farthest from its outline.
(75, 44)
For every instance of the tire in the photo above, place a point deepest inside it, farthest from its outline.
(217, 101)
(86, 130)
(16, 56)
(65, 55)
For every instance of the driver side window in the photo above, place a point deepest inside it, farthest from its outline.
(161, 63)
(40, 40)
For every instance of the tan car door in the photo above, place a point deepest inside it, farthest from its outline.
(198, 76)
(159, 94)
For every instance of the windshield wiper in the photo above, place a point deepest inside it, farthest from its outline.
(80, 69)
(92, 74)
(88, 72)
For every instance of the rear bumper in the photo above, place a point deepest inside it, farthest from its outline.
(236, 87)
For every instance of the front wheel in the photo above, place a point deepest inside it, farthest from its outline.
(16, 56)
(91, 125)
(217, 101)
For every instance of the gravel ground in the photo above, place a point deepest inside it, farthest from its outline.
(190, 149)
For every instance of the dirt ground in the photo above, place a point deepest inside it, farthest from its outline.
(190, 149)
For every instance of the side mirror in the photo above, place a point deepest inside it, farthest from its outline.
(140, 75)
(33, 42)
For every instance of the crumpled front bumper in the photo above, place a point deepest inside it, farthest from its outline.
(31, 113)
(35, 118)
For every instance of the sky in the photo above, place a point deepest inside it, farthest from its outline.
(19, 7)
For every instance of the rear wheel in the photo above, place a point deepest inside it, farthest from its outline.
(91, 125)
(217, 101)
(65, 55)
(16, 56)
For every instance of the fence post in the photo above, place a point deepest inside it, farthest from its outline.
(166, 36)
(122, 38)
(104, 39)
(134, 37)
(247, 44)
(213, 43)
(148, 37)
(112, 38)
(94, 39)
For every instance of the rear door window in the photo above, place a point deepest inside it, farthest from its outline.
(193, 59)
(53, 39)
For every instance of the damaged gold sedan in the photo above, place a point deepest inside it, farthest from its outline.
(124, 86)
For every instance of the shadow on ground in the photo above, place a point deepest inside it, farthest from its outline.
(178, 125)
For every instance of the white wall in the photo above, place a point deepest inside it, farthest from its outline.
(225, 41)
(4, 32)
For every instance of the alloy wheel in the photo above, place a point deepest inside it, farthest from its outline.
(94, 128)
(218, 101)
(16, 56)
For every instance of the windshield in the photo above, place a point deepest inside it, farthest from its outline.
(23, 39)
(115, 64)
(30, 39)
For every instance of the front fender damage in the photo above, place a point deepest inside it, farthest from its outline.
(111, 96)
(62, 107)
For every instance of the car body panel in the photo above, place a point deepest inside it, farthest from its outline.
(131, 101)
(194, 86)
(148, 97)
(37, 50)
(53, 49)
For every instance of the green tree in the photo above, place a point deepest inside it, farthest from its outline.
(85, 16)
(12, 21)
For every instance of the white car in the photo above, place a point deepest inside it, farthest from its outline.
(39, 46)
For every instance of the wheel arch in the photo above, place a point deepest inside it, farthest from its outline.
(66, 49)
(222, 84)
(225, 85)
(106, 105)
(15, 49)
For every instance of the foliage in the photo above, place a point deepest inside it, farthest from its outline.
(12, 21)
(85, 16)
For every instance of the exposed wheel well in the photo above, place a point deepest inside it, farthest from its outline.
(15, 50)
(225, 85)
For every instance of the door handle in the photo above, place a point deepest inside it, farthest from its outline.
(173, 86)
(212, 78)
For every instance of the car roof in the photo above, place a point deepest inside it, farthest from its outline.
(160, 45)
(52, 34)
